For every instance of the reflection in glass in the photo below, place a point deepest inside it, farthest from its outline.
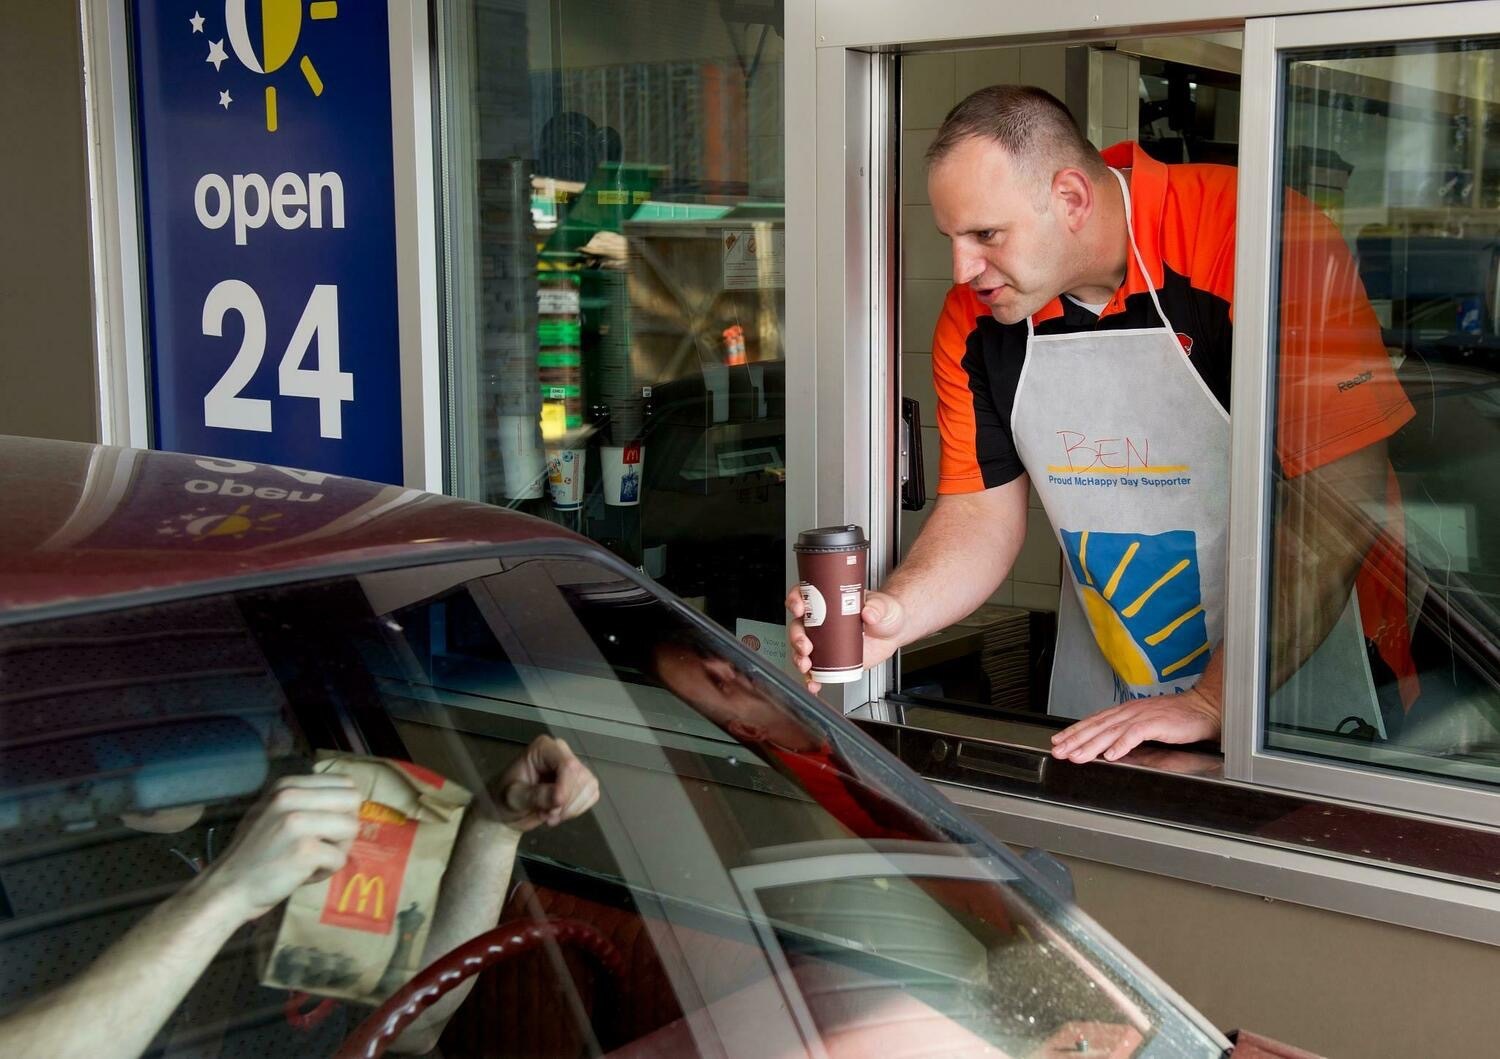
(616, 282)
(1387, 544)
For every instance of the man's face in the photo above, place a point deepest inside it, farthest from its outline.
(728, 698)
(1011, 254)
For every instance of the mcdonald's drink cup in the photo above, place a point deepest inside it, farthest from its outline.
(565, 478)
(622, 473)
(831, 580)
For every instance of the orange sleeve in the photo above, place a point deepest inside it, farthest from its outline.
(1337, 392)
(958, 462)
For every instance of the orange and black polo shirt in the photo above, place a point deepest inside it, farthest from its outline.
(1336, 390)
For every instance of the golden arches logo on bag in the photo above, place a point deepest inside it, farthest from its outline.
(362, 888)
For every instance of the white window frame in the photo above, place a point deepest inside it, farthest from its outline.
(852, 247)
(1267, 43)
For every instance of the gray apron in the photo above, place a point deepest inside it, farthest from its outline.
(1129, 452)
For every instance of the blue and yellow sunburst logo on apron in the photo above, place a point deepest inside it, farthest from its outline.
(1142, 598)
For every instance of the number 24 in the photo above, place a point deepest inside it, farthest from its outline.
(224, 407)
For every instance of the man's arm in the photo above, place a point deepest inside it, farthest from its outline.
(964, 551)
(117, 1006)
(546, 785)
(1326, 522)
(302, 831)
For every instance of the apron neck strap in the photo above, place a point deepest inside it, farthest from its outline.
(1136, 250)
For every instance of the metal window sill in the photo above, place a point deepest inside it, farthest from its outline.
(1172, 813)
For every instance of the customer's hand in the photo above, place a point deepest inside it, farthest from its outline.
(547, 784)
(883, 617)
(300, 832)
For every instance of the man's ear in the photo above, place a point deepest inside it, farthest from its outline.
(1074, 192)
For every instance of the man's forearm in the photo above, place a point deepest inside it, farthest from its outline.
(965, 550)
(1324, 530)
(473, 893)
(1313, 586)
(123, 999)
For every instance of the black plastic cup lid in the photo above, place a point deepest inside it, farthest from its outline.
(832, 538)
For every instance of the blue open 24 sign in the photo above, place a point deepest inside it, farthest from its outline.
(268, 196)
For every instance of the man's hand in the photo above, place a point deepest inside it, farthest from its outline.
(545, 785)
(300, 832)
(1191, 717)
(884, 620)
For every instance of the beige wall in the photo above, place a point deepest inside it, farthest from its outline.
(46, 330)
(1341, 986)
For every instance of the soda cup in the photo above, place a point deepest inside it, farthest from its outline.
(565, 478)
(622, 473)
(831, 564)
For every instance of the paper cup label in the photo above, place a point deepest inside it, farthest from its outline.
(817, 607)
(622, 474)
(565, 478)
(849, 600)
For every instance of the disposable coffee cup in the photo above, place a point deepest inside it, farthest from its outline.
(565, 478)
(522, 463)
(831, 565)
(622, 473)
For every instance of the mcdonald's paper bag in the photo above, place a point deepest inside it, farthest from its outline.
(360, 934)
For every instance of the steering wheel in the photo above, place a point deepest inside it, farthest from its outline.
(371, 1038)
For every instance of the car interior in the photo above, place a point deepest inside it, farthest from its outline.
(726, 871)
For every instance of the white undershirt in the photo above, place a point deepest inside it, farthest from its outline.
(1096, 309)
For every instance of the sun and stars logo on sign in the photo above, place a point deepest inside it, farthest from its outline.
(279, 26)
(1143, 601)
(201, 525)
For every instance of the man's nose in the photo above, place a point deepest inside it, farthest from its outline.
(967, 265)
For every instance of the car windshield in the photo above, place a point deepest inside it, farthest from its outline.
(753, 879)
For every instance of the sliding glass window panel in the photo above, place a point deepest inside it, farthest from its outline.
(615, 282)
(1384, 602)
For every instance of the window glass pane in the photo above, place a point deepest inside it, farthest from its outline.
(1386, 543)
(749, 870)
(614, 202)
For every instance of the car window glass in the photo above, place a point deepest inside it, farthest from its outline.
(749, 865)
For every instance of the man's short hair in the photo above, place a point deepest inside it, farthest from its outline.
(1031, 124)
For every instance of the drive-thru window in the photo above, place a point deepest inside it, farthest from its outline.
(670, 274)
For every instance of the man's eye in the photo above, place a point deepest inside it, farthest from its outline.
(986, 235)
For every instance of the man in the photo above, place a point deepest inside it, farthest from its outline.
(1084, 351)
(301, 831)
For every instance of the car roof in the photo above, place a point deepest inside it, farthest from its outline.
(84, 525)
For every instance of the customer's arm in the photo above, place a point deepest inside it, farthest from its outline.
(545, 786)
(301, 831)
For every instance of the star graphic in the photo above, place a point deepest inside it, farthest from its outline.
(197, 22)
(225, 99)
(216, 53)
